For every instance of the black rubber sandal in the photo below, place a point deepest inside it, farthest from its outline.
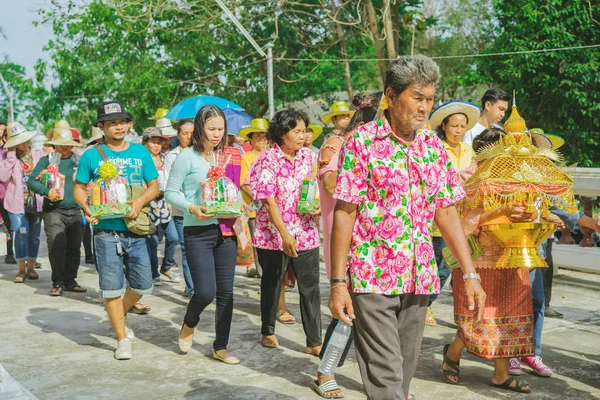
(518, 385)
(455, 365)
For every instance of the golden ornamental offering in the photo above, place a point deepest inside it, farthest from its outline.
(514, 171)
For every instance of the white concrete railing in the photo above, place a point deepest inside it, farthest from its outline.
(586, 182)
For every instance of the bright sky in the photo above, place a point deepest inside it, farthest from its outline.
(24, 42)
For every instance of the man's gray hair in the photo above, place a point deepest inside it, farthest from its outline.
(405, 70)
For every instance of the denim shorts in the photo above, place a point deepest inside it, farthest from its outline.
(134, 255)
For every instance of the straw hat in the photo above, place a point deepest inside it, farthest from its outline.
(62, 124)
(62, 137)
(256, 125)
(316, 129)
(17, 134)
(160, 113)
(338, 108)
(97, 134)
(165, 127)
(454, 107)
(557, 141)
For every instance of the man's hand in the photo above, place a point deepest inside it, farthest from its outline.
(54, 196)
(339, 299)
(88, 216)
(553, 219)
(290, 246)
(136, 207)
(475, 297)
(200, 212)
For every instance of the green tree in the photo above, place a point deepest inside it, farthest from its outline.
(558, 91)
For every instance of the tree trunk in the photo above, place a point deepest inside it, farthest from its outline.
(372, 21)
(343, 52)
(389, 29)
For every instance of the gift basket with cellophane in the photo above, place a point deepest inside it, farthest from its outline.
(218, 193)
(110, 193)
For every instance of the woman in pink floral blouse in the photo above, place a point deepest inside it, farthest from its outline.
(282, 234)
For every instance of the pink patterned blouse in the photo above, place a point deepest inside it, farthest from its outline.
(397, 187)
(274, 176)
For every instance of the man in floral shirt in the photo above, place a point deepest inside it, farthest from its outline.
(395, 179)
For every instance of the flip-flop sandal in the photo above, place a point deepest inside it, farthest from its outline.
(32, 275)
(140, 309)
(20, 278)
(429, 318)
(75, 288)
(286, 318)
(455, 365)
(326, 387)
(519, 385)
(56, 290)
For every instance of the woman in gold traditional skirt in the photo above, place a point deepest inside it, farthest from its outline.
(506, 329)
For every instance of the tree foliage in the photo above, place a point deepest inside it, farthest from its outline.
(558, 91)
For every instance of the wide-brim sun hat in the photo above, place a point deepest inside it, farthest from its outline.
(555, 140)
(62, 124)
(17, 134)
(454, 107)
(97, 134)
(256, 125)
(160, 113)
(338, 108)
(62, 137)
(316, 129)
(164, 124)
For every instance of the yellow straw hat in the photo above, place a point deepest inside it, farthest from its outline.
(97, 134)
(557, 141)
(316, 129)
(160, 113)
(256, 125)
(62, 137)
(338, 108)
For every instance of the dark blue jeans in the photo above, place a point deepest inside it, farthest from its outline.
(170, 246)
(539, 302)
(211, 259)
(443, 270)
(187, 276)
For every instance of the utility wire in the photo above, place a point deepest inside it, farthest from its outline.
(439, 57)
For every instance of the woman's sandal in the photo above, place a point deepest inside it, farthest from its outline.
(455, 365)
(269, 341)
(32, 275)
(327, 387)
(519, 385)
(285, 317)
(56, 290)
(20, 278)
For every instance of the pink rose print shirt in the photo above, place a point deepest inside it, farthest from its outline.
(397, 188)
(274, 176)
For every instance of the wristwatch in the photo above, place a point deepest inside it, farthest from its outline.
(472, 275)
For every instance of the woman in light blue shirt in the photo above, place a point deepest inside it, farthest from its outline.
(211, 255)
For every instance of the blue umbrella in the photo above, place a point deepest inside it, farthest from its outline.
(236, 120)
(189, 107)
